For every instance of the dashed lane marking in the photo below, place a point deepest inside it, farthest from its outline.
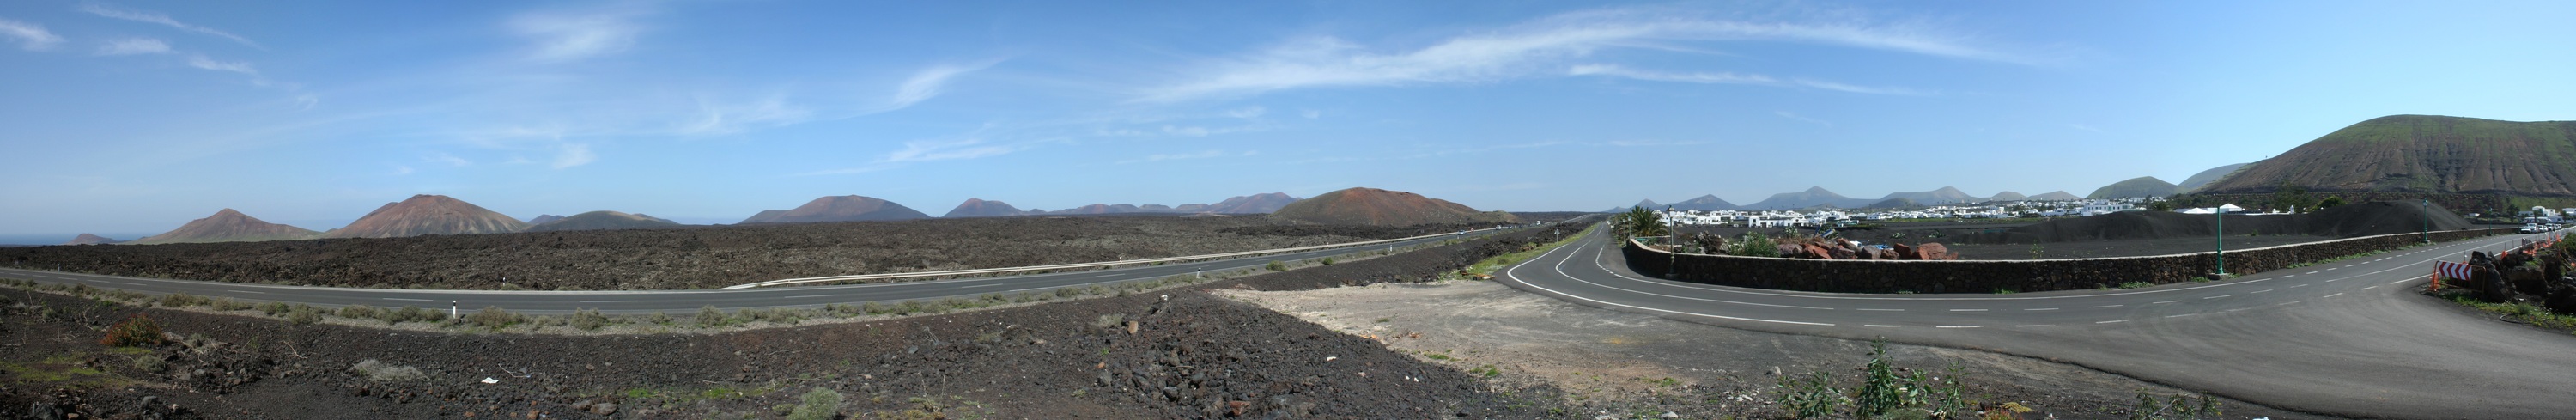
(1876, 309)
(2300, 285)
(809, 296)
(2112, 321)
(2215, 297)
(2334, 295)
(1879, 326)
(1955, 326)
(1967, 310)
(2179, 316)
(2104, 306)
(2371, 287)
(2040, 309)
(2169, 301)
(2264, 290)
(414, 300)
(2028, 326)
(607, 301)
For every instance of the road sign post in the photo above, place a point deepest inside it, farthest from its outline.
(2222, 239)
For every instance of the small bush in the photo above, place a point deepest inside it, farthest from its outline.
(136, 331)
(494, 317)
(151, 363)
(227, 304)
(1275, 266)
(709, 317)
(1326, 261)
(819, 404)
(1072, 292)
(175, 300)
(659, 318)
(1109, 320)
(589, 320)
(358, 312)
(302, 314)
(409, 314)
(274, 309)
(387, 372)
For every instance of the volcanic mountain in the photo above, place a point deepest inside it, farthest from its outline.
(603, 220)
(428, 215)
(2423, 153)
(2007, 196)
(844, 208)
(88, 239)
(228, 226)
(2205, 177)
(2055, 196)
(543, 218)
(977, 207)
(1812, 197)
(1250, 204)
(1945, 195)
(1376, 207)
(1707, 202)
(2145, 186)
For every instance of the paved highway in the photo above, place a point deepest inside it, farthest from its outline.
(2348, 338)
(684, 301)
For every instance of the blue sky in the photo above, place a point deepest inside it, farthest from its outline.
(133, 117)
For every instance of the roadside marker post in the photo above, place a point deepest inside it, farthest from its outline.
(451, 309)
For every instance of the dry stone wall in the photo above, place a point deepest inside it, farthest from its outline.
(1892, 276)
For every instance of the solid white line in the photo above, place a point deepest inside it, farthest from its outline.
(2169, 301)
(2334, 295)
(1560, 270)
(244, 291)
(2040, 309)
(2298, 286)
(1876, 325)
(2104, 306)
(2179, 316)
(1954, 326)
(1032, 288)
(1967, 310)
(607, 301)
(2371, 287)
(808, 296)
(414, 300)
(2215, 297)
(2403, 281)
(1889, 310)
(981, 285)
(136, 284)
(2111, 321)
(2027, 326)
(2264, 290)
(1106, 275)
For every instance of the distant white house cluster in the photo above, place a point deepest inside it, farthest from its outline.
(1837, 217)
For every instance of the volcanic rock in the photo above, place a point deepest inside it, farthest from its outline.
(1251, 204)
(844, 208)
(2425, 154)
(1376, 207)
(88, 239)
(228, 226)
(1934, 252)
(976, 207)
(428, 215)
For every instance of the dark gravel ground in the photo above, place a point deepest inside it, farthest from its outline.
(699, 257)
(1178, 353)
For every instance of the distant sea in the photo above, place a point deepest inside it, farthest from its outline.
(60, 238)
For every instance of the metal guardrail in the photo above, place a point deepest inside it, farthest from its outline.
(1086, 265)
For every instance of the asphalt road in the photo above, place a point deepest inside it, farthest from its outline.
(683, 301)
(2349, 338)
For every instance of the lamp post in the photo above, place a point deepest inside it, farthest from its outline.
(2222, 238)
(2428, 221)
(1674, 234)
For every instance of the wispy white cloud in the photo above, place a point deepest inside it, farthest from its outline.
(105, 10)
(1186, 156)
(1614, 70)
(450, 160)
(31, 37)
(926, 84)
(132, 46)
(566, 36)
(930, 150)
(1531, 49)
(1248, 112)
(573, 154)
(719, 119)
(200, 61)
(402, 170)
(1802, 118)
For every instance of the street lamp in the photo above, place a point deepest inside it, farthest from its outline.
(1672, 233)
(2222, 238)
(2428, 220)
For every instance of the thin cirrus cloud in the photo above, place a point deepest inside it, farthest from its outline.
(1613, 70)
(1537, 48)
(31, 37)
(134, 46)
(114, 12)
(1186, 156)
(571, 36)
(926, 151)
(925, 84)
(200, 61)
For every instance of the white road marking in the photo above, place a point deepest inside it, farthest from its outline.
(245, 291)
(1876, 325)
(607, 301)
(1560, 270)
(2179, 316)
(1889, 310)
(2104, 306)
(2289, 276)
(2111, 321)
(2300, 285)
(2215, 297)
(981, 285)
(2027, 326)
(414, 300)
(1954, 326)
(2311, 272)
(809, 296)
(2169, 301)
(2371, 287)
(1105, 275)
(2334, 295)
(2264, 290)
(1967, 310)
(2040, 309)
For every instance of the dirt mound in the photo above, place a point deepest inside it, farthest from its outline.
(1376, 207)
(228, 226)
(603, 220)
(2377, 218)
(843, 208)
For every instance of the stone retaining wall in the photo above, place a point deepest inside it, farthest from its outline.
(1890, 276)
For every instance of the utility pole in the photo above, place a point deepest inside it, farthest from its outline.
(1673, 234)
(2222, 238)
(2428, 220)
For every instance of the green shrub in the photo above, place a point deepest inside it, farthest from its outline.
(709, 317)
(2178, 407)
(175, 300)
(151, 363)
(1326, 261)
(303, 314)
(1109, 320)
(227, 304)
(1810, 397)
(1754, 244)
(589, 319)
(358, 312)
(138, 330)
(493, 317)
(1275, 266)
(819, 404)
(387, 372)
(659, 318)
